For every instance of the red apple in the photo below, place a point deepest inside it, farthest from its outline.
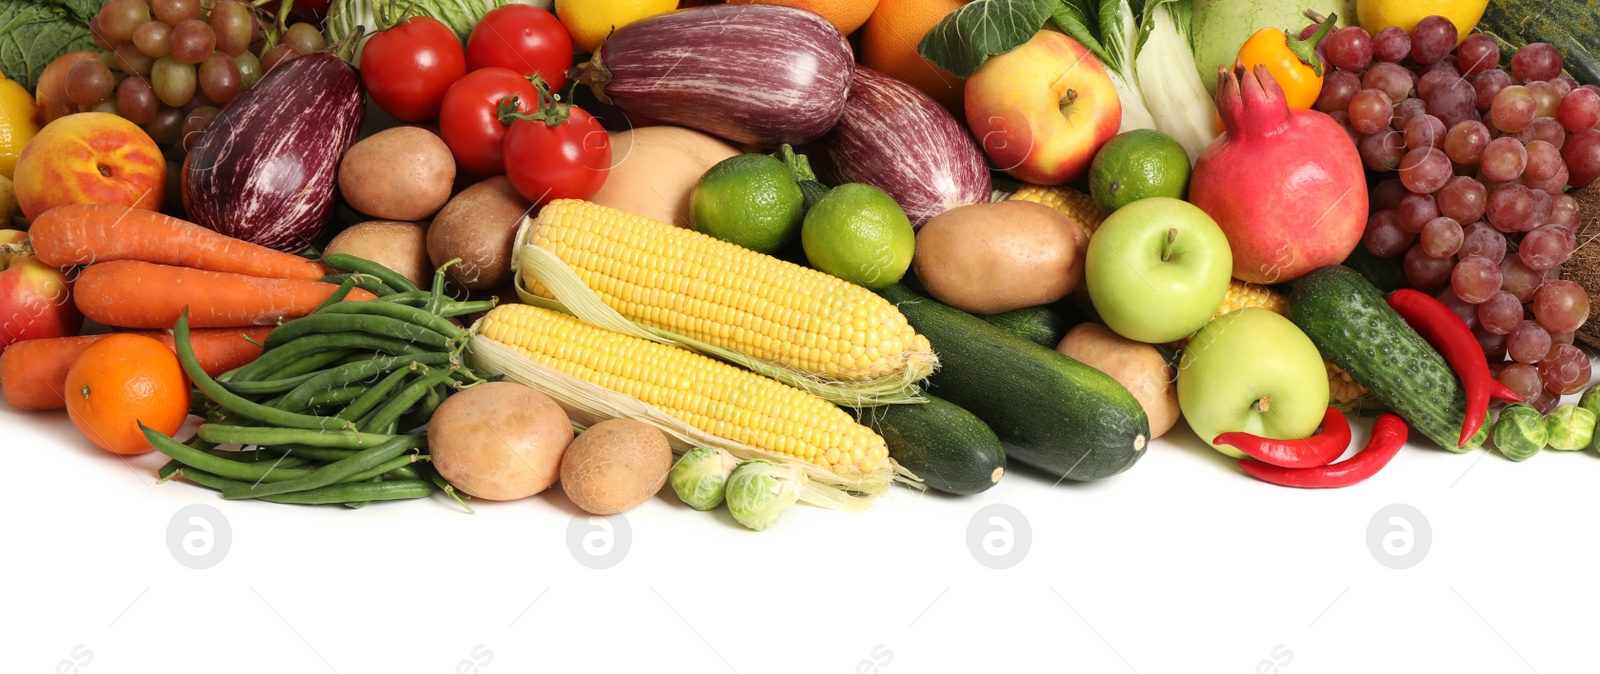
(35, 298)
(1042, 110)
(90, 158)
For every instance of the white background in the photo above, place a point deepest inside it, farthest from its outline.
(1183, 564)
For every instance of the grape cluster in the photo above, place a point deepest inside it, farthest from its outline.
(1481, 157)
(169, 65)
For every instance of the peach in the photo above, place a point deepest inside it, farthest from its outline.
(90, 158)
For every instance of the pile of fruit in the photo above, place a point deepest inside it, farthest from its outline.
(479, 249)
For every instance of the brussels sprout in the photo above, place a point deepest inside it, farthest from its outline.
(1591, 400)
(1519, 432)
(758, 491)
(1569, 427)
(699, 477)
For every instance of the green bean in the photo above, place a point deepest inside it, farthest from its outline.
(338, 295)
(311, 363)
(418, 417)
(228, 468)
(432, 474)
(168, 470)
(361, 371)
(436, 298)
(400, 312)
(405, 473)
(279, 457)
(363, 404)
(412, 299)
(339, 395)
(389, 466)
(259, 435)
(342, 493)
(267, 386)
(453, 309)
(233, 402)
(274, 360)
(365, 282)
(390, 411)
(377, 325)
(351, 263)
(339, 471)
(357, 505)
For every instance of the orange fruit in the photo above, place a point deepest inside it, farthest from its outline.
(846, 15)
(120, 382)
(889, 45)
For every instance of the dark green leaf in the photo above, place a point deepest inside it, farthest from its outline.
(970, 35)
(32, 34)
(1076, 19)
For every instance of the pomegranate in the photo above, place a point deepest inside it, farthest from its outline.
(1286, 186)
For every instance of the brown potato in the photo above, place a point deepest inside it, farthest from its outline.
(400, 246)
(1139, 367)
(654, 169)
(479, 226)
(403, 173)
(989, 258)
(499, 441)
(615, 465)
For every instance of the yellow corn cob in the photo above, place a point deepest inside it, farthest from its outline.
(690, 284)
(1077, 206)
(707, 394)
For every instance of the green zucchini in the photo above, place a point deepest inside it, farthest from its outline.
(944, 445)
(1039, 325)
(1569, 25)
(1049, 411)
(1354, 328)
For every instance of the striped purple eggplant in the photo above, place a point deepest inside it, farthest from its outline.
(265, 169)
(758, 74)
(894, 137)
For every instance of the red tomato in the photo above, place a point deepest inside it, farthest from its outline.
(469, 120)
(408, 68)
(567, 161)
(523, 38)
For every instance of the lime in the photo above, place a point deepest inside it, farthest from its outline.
(750, 200)
(858, 233)
(1135, 165)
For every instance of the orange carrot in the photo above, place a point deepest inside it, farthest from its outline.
(33, 373)
(80, 234)
(130, 294)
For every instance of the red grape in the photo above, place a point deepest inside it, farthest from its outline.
(174, 12)
(1431, 79)
(1382, 151)
(1560, 306)
(1482, 240)
(1487, 85)
(119, 18)
(1503, 160)
(1464, 142)
(1513, 109)
(1462, 199)
(1394, 81)
(1387, 194)
(1416, 211)
(174, 81)
(99, 36)
(1432, 39)
(1337, 90)
(1543, 205)
(193, 41)
(1578, 110)
(1517, 279)
(1562, 337)
(305, 38)
(1536, 61)
(1407, 110)
(153, 39)
(1545, 402)
(1544, 160)
(1493, 345)
(1384, 237)
(1545, 248)
(1441, 237)
(1546, 97)
(1467, 312)
(1370, 110)
(219, 77)
(1426, 131)
(1391, 44)
(128, 60)
(1527, 343)
(1475, 279)
(1565, 369)
(166, 127)
(136, 100)
(1510, 209)
(89, 82)
(1453, 101)
(1500, 314)
(231, 22)
(1426, 272)
(279, 54)
(1425, 170)
(1546, 129)
(1477, 53)
(1582, 154)
(1552, 186)
(1349, 48)
(1564, 211)
(1522, 379)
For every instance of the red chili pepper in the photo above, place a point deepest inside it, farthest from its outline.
(1503, 393)
(1454, 340)
(1388, 436)
(1318, 450)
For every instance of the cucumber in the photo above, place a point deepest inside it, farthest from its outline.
(1039, 325)
(1354, 328)
(1049, 411)
(951, 450)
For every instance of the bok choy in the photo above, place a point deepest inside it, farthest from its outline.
(1145, 46)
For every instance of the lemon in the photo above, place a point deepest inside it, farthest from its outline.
(750, 200)
(858, 233)
(18, 123)
(1135, 165)
(8, 203)
(591, 21)
(1376, 15)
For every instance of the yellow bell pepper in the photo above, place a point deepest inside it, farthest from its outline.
(1292, 61)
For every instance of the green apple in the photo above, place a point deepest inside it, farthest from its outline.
(1158, 269)
(1252, 370)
